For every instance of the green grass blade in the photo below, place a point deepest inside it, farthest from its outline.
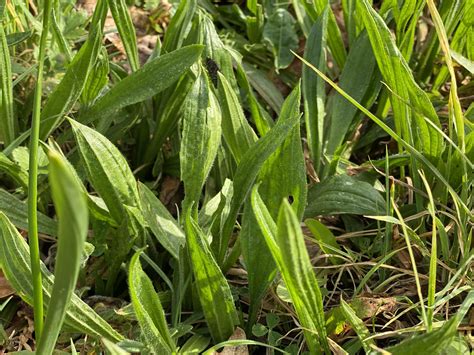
(314, 91)
(7, 121)
(126, 29)
(212, 287)
(163, 225)
(33, 175)
(149, 80)
(15, 263)
(412, 150)
(107, 170)
(201, 139)
(148, 309)
(433, 256)
(71, 206)
(68, 91)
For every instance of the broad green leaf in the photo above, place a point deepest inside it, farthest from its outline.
(237, 132)
(161, 222)
(358, 325)
(97, 78)
(201, 139)
(179, 26)
(279, 30)
(343, 194)
(148, 310)
(15, 263)
(286, 244)
(247, 172)
(327, 241)
(396, 72)
(17, 212)
(7, 115)
(126, 29)
(314, 91)
(71, 207)
(361, 79)
(152, 78)
(217, 52)
(68, 91)
(281, 176)
(212, 287)
(299, 276)
(107, 170)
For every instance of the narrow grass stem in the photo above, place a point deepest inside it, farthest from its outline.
(413, 262)
(33, 179)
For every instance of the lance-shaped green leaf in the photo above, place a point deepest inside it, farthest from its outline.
(7, 115)
(237, 132)
(17, 212)
(161, 222)
(287, 246)
(397, 74)
(15, 263)
(361, 79)
(247, 172)
(212, 287)
(314, 9)
(125, 27)
(358, 325)
(68, 91)
(107, 170)
(149, 80)
(201, 139)
(343, 194)
(314, 91)
(282, 176)
(71, 207)
(148, 310)
(179, 26)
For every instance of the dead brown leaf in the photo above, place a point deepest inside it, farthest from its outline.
(239, 334)
(5, 288)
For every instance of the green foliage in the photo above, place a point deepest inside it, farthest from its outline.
(71, 207)
(199, 138)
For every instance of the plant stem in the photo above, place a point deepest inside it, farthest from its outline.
(33, 179)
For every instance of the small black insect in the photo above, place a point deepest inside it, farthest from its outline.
(212, 69)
